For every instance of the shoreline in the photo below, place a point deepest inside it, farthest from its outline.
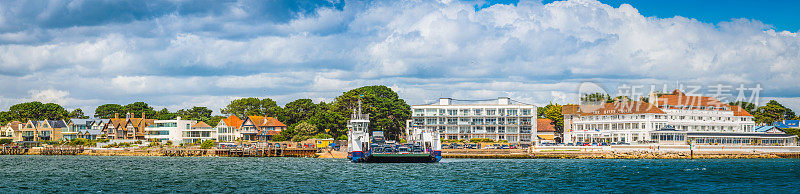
(668, 152)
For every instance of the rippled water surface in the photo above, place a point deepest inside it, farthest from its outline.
(281, 175)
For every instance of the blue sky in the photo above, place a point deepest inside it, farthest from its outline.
(178, 54)
(780, 14)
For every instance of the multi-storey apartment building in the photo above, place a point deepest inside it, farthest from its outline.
(503, 119)
(675, 118)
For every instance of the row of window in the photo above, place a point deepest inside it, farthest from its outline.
(473, 112)
(670, 117)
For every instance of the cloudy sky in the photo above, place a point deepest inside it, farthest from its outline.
(178, 54)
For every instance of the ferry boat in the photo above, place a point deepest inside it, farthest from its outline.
(422, 146)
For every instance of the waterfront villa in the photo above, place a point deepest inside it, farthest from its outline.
(674, 118)
(7, 131)
(260, 128)
(228, 129)
(501, 119)
(545, 131)
(199, 132)
(128, 128)
(41, 130)
(168, 130)
(84, 128)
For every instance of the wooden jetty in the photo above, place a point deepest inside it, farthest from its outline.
(266, 152)
(13, 150)
(61, 151)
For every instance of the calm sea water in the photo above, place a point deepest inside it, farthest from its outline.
(281, 175)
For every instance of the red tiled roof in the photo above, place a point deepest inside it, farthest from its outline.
(273, 122)
(621, 108)
(233, 121)
(570, 109)
(679, 100)
(201, 124)
(273, 132)
(545, 125)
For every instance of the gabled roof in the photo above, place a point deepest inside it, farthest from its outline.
(233, 121)
(261, 121)
(679, 100)
(787, 124)
(767, 128)
(57, 124)
(273, 122)
(14, 125)
(201, 124)
(545, 125)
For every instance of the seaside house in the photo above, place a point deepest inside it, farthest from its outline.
(674, 118)
(545, 131)
(228, 129)
(199, 132)
(168, 130)
(8, 130)
(80, 128)
(501, 119)
(42, 130)
(260, 128)
(128, 128)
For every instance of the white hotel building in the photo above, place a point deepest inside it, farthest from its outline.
(498, 120)
(668, 119)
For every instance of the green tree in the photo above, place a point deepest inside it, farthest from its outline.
(195, 113)
(108, 111)
(387, 111)
(164, 114)
(137, 108)
(36, 111)
(553, 112)
(326, 117)
(306, 129)
(299, 110)
(77, 114)
(772, 112)
(213, 120)
(252, 106)
(749, 107)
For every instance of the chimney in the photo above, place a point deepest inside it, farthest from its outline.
(128, 116)
(444, 101)
(504, 100)
(116, 115)
(143, 115)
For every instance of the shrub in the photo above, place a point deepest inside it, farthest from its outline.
(342, 137)
(322, 136)
(207, 144)
(480, 140)
(279, 137)
(6, 141)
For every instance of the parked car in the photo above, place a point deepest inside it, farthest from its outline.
(488, 147)
(603, 144)
(570, 144)
(594, 144)
(505, 147)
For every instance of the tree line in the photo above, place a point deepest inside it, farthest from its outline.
(304, 118)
